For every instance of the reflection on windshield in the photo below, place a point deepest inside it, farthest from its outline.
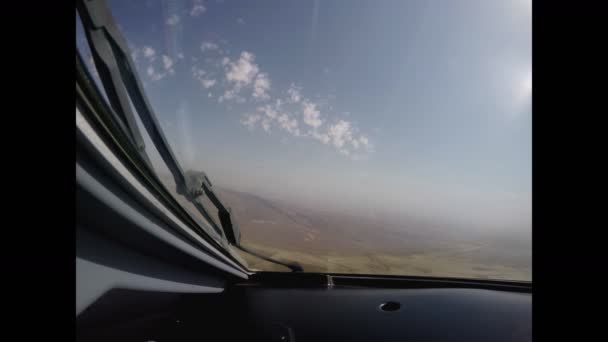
(381, 137)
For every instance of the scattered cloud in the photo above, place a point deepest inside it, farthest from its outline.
(340, 133)
(202, 76)
(198, 73)
(311, 114)
(241, 79)
(268, 115)
(292, 113)
(197, 8)
(288, 124)
(268, 110)
(209, 46)
(244, 73)
(149, 53)
(240, 21)
(294, 93)
(243, 70)
(322, 137)
(207, 83)
(342, 136)
(168, 64)
(153, 74)
(155, 69)
(261, 87)
(173, 20)
(250, 120)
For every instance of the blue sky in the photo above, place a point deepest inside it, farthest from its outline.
(421, 106)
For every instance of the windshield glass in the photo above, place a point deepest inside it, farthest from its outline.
(372, 137)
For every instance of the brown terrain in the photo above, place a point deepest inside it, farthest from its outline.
(323, 241)
(341, 243)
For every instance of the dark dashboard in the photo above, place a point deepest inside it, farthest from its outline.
(391, 314)
(307, 307)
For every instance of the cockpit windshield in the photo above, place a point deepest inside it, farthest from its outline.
(370, 137)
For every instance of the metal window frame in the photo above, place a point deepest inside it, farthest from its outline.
(113, 165)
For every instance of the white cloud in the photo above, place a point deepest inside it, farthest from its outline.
(197, 72)
(208, 83)
(154, 76)
(209, 94)
(209, 46)
(268, 111)
(197, 8)
(340, 133)
(173, 20)
(268, 114)
(261, 86)
(322, 137)
(250, 120)
(242, 73)
(243, 70)
(149, 53)
(240, 21)
(199, 75)
(288, 124)
(294, 93)
(180, 55)
(168, 64)
(229, 94)
(311, 114)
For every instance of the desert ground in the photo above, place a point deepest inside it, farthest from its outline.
(327, 241)
(340, 243)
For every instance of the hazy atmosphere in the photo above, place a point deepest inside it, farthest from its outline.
(331, 126)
